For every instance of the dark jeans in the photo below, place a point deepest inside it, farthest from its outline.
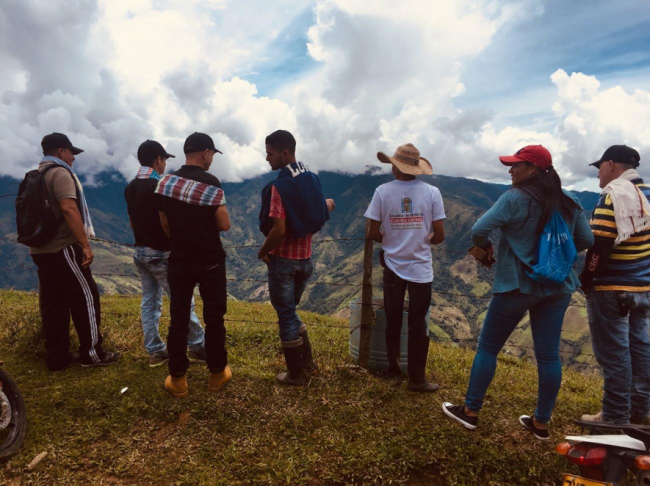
(418, 340)
(619, 327)
(287, 282)
(503, 315)
(182, 279)
(66, 288)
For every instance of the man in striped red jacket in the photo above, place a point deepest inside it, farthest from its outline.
(616, 279)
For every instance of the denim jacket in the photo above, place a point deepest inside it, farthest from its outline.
(518, 242)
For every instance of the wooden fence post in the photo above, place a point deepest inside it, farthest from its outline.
(367, 311)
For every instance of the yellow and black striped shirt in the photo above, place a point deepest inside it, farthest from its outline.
(628, 267)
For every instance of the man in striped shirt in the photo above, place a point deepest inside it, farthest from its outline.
(616, 279)
(293, 208)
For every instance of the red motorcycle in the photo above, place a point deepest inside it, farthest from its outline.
(13, 420)
(605, 460)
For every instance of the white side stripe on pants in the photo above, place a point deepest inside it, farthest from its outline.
(90, 304)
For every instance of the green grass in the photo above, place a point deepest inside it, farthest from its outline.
(346, 427)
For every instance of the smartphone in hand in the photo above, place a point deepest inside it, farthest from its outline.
(482, 256)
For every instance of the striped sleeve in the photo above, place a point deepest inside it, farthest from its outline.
(602, 222)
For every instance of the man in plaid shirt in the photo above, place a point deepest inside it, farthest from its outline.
(293, 208)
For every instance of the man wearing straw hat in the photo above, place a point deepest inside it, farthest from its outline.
(410, 213)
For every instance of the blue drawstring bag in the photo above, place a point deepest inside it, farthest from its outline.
(556, 252)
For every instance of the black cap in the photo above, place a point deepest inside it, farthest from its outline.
(198, 142)
(150, 150)
(55, 141)
(621, 154)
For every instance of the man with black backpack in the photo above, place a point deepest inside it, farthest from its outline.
(53, 219)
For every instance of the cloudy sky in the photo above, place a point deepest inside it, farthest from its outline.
(463, 80)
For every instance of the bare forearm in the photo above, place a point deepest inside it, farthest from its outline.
(273, 240)
(74, 222)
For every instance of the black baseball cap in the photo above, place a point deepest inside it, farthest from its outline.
(198, 142)
(55, 141)
(621, 154)
(150, 150)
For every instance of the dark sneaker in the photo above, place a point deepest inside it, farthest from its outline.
(157, 359)
(108, 359)
(197, 356)
(527, 423)
(457, 412)
(424, 387)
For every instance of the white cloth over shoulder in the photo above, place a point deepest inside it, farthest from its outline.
(631, 208)
(406, 210)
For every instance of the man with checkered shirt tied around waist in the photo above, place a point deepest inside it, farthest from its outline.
(616, 279)
(293, 209)
(407, 209)
(192, 210)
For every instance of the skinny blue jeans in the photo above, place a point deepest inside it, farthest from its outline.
(152, 267)
(619, 323)
(504, 313)
(287, 282)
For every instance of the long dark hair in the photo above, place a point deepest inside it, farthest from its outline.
(546, 189)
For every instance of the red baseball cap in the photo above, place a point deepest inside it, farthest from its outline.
(535, 154)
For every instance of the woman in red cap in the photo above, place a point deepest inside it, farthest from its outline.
(521, 214)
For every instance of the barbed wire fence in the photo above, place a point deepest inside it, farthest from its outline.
(463, 342)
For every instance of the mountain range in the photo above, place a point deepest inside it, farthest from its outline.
(461, 286)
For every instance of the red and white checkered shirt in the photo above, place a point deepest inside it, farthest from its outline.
(292, 248)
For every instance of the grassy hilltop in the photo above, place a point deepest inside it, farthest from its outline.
(346, 427)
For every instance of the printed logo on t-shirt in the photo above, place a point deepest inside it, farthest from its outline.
(407, 219)
(407, 205)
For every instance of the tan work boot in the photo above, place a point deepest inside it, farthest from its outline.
(219, 380)
(177, 386)
(597, 417)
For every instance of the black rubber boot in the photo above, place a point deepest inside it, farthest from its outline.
(393, 353)
(295, 375)
(307, 358)
(418, 348)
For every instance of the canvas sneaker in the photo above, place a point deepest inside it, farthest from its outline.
(197, 356)
(528, 424)
(158, 359)
(457, 412)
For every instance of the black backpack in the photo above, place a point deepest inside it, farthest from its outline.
(35, 220)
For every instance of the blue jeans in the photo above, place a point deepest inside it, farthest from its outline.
(152, 266)
(503, 315)
(619, 327)
(287, 282)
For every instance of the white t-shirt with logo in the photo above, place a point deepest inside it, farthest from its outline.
(406, 210)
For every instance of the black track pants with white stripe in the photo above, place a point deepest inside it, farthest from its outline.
(68, 289)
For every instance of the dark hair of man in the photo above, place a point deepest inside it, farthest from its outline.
(546, 189)
(51, 152)
(282, 140)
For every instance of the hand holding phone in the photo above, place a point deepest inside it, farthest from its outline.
(485, 257)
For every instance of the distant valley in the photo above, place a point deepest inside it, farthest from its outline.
(462, 286)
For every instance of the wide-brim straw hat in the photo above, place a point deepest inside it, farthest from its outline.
(407, 159)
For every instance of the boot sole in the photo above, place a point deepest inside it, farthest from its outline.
(215, 389)
(176, 394)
